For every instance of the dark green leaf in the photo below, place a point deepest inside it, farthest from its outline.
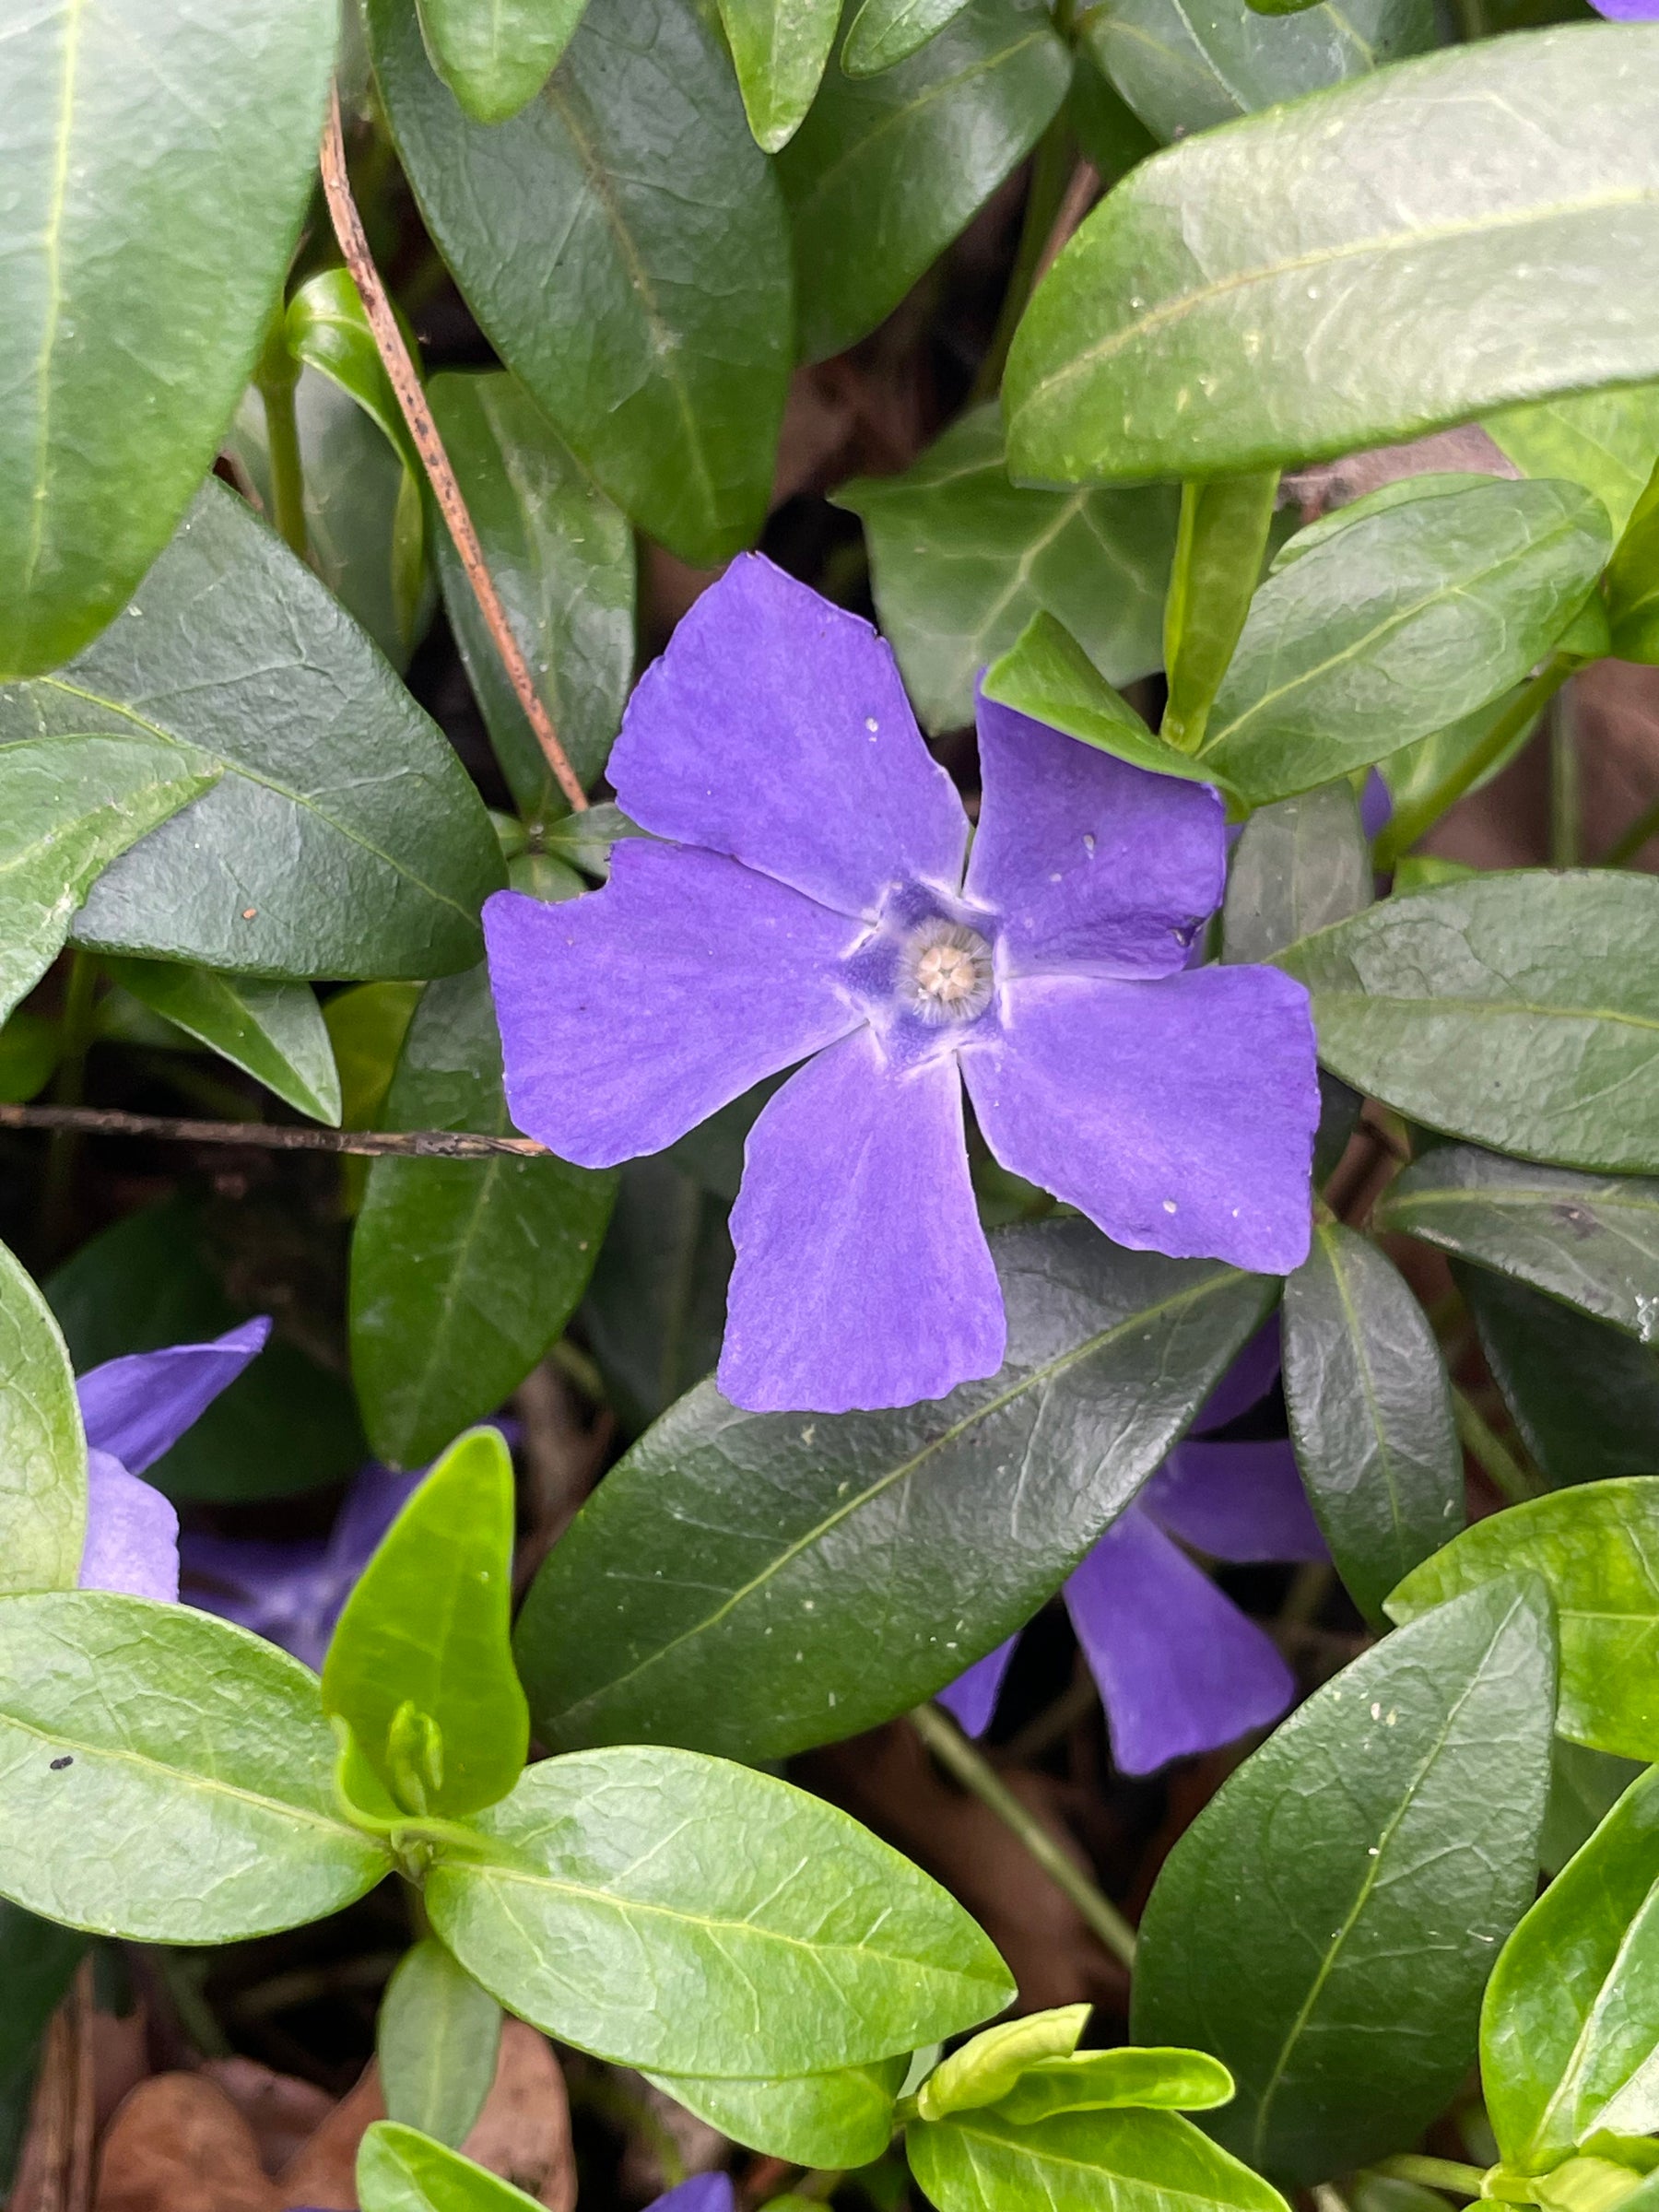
(778, 47)
(496, 55)
(1520, 1011)
(961, 558)
(1430, 773)
(774, 1933)
(154, 166)
(1102, 2161)
(436, 2041)
(1219, 547)
(732, 1582)
(1597, 1548)
(463, 1271)
(1299, 866)
(1276, 291)
(1046, 674)
(835, 2120)
(273, 1030)
(655, 1308)
(1185, 2081)
(37, 1962)
(1370, 1413)
(121, 1718)
(622, 244)
(1109, 131)
(1327, 1925)
(1607, 440)
(562, 558)
(28, 1053)
(886, 170)
(1584, 1786)
(43, 1448)
(399, 2171)
(1398, 624)
(328, 329)
(343, 837)
(1633, 585)
(885, 31)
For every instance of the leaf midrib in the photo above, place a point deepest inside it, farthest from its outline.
(52, 243)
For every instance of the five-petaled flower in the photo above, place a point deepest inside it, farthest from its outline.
(1179, 1668)
(811, 905)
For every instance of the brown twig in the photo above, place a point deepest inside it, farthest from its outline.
(272, 1136)
(1080, 196)
(417, 414)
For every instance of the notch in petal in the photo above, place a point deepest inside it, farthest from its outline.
(137, 1407)
(131, 1534)
(972, 1698)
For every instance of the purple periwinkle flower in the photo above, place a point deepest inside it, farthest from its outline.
(810, 905)
(702, 2192)
(1179, 1668)
(134, 1410)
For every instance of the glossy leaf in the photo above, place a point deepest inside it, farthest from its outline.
(778, 47)
(984, 2068)
(885, 31)
(1571, 2023)
(1370, 1413)
(562, 558)
(68, 808)
(1584, 1396)
(1152, 2080)
(1327, 1925)
(962, 559)
(1186, 67)
(343, 837)
(274, 1032)
(837, 2120)
(622, 245)
(420, 1667)
(1516, 1010)
(1584, 1786)
(1219, 553)
(436, 2041)
(1596, 1547)
(886, 170)
(1046, 674)
(1398, 624)
(1590, 1241)
(145, 244)
(1299, 866)
(496, 55)
(725, 1543)
(1234, 303)
(774, 1933)
(121, 1718)
(462, 1272)
(1099, 2161)
(43, 1446)
(655, 1308)
(327, 328)
(1608, 442)
(401, 2171)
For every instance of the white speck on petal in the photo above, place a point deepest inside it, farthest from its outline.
(1168, 1206)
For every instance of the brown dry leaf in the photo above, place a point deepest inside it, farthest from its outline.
(1331, 484)
(323, 2173)
(524, 2132)
(283, 2111)
(179, 2145)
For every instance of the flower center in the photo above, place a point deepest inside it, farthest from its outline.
(946, 974)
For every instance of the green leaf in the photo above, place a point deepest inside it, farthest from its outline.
(1568, 2031)
(145, 241)
(623, 247)
(463, 1271)
(38, 1961)
(1596, 1547)
(1096, 2161)
(1429, 774)
(328, 329)
(1275, 291)
(1590, 1241)
(274, 1032)
(989, 2065)
(436, 2041)
(1370, 1413)
(655, 1308)
(886, 170)
(1633, 585)
(1186, 67)
(367, 1026)
(496, 55)
(1218, 551)
(28, 1053)
(343, 837)
(1398, 624)
(1584, 1786)
(1298, 866)
(43, 1446)
(563, 559)
(1608, 442)
(1516, 1010)
(776, 1935)
(399, 2171)
(778, 47)
(420, 1667)
(121, 1718)
(726, 1543)
(839, 2120)
(1046, 674)
(962, 559)
(1327, 1925)
(68, 808)
(1187, 2081)
(1108, 130)
(885, 31)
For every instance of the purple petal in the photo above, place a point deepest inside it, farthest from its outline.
(1376, 801)
(628, 1015)
(702, 2193)
(1179, 1115)
(137, 1407)
(1628, 11)
(775, 728)
(131, 1534)
(972, 1698)
(1091, 863)
(1252, 1374)
(1236, 1500)
(862, 1278)
(1179, 1669)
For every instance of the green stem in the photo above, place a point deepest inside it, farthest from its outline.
(277, 377)
(1412, 822)
(1624, 850)
(1433, 2173)
(1564, 810)
(69, 1090)
(979, 1778)
(1488, 1448)
(1052, 167)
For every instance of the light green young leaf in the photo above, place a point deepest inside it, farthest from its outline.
(777, 1936)
(1085, 2161)
(1046, 674)
(1155, 2080)
(885, 31)
(436, 2041)
(329, 331)
(274, 1031)
(495, 56)
(420, 1667)
(122, 1718)
(1633, 582)
(28, 1053)
(1218, 551)
(1608, 441)
(778, 47)
(1299, 866)
(988, 2066)
(401, 2171)
(42, 1445)
(366, 1026)
(837, 2121)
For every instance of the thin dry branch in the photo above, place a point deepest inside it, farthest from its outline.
(272, 1136)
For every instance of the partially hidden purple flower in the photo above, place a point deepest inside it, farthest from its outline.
(811, 905)
(134, 1409)
(1179, 1668)
(702, 2193)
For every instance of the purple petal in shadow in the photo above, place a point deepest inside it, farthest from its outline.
(1252, 1374)
(972, 1698)
(136, 1409)
(702, 2193)
(1236, 1500)
(131, 1534)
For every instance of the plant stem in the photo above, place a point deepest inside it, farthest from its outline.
(1412, 822)
(1625, 847)
(1482, 1442)
(1433, 2173)
(1052, 167)
(276, 378)
(1564, 810)
(69, 1088)
(979, 1778)
(73, 1122)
